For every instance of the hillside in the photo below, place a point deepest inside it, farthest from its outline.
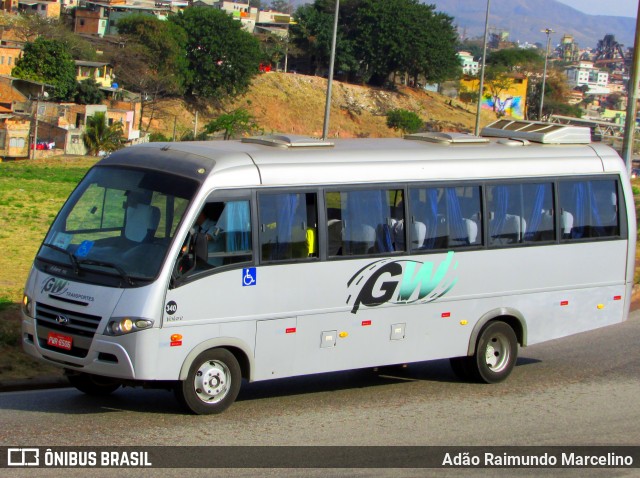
(294, 104)
(524, 20)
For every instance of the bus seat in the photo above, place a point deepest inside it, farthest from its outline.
(566, 221)
(363, 238)
(512, 231)
(418, 234)
(335, 236)
(472, 230)
(141, 221)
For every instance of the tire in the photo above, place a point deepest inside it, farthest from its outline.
(212, 384)
(496, 353)
(94, 385)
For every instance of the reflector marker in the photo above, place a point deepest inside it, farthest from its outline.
(617, 297)
(366, 322)
(564, 302)
(291, 330)
(446, 315)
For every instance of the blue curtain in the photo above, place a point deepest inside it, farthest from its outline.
(286, 206)
(370, 208)
(579, 196)
(534, 220)
(500, 203)
(457, 227)
(430, 218)
(236, 222)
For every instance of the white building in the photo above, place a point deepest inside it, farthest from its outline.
(584, 73)
(469, 65)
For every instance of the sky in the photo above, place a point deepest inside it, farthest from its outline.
(619, 8)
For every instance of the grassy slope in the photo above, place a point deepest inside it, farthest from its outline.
(294, 104)
(31, 193)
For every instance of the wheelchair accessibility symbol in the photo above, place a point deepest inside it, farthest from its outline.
(249, 277)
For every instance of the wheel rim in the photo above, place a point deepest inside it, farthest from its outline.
(497, 353)
(212, 381)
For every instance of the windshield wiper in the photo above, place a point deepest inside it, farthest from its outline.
(72, 257)
(116, 267)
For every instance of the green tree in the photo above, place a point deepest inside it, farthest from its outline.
(520, 60)
(88, 93)
(48, 61)
(99, 136)
(221, 56)
(404, 120)
(233, 124)
(152, 62)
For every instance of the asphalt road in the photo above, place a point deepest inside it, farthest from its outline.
(580, 390)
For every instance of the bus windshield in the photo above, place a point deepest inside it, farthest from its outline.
(117, 226)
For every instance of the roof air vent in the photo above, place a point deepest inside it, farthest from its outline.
(536, 132)
(291, 141)
(446, 138)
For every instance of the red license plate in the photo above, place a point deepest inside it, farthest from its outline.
(60, 341)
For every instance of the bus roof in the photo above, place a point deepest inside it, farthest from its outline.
(237, 163)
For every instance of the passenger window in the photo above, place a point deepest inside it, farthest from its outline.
(288, 226)
(589, 208)
(445, 218)
(220, 236)
(365, 222)
(520, 213)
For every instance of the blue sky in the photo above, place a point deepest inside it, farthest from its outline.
(620, 8)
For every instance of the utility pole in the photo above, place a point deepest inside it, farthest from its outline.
(484, 58)
(632, 97)
(327, 108)
(548, 31)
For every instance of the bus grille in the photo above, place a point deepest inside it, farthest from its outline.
(80, 327)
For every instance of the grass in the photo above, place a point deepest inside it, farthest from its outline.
(31, 193)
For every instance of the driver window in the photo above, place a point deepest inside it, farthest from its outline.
(220, 236)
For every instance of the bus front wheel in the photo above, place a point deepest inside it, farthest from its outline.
(496, 353)
(212, 384)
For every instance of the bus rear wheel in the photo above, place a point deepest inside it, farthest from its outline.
(496, 353)
(93, 384)
(212, 384)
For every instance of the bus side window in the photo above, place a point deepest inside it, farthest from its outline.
(361, 222)
(288, 226)
(220, 236)
(589, 208)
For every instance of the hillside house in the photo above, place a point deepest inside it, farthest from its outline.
(102, 73)
(45, 8)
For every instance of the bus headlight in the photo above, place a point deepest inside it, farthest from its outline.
(126, 325)
(27, 306)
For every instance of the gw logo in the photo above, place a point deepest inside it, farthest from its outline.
(55, 286)
(400, 282)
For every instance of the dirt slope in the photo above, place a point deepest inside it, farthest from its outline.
(294, 104)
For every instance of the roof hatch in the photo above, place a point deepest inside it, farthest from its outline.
(446, 138)
(291, 141)
(538, 132)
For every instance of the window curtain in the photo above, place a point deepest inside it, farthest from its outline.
(235, 221)
(286, 206)
(535, 219)
(457, 227)
(369, 208)
(500, 203)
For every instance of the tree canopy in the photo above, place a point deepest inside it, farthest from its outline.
(379, 38)
(48, 61)
(221, 57)
(101, 137)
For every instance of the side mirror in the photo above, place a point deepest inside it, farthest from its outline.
(201, 249)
